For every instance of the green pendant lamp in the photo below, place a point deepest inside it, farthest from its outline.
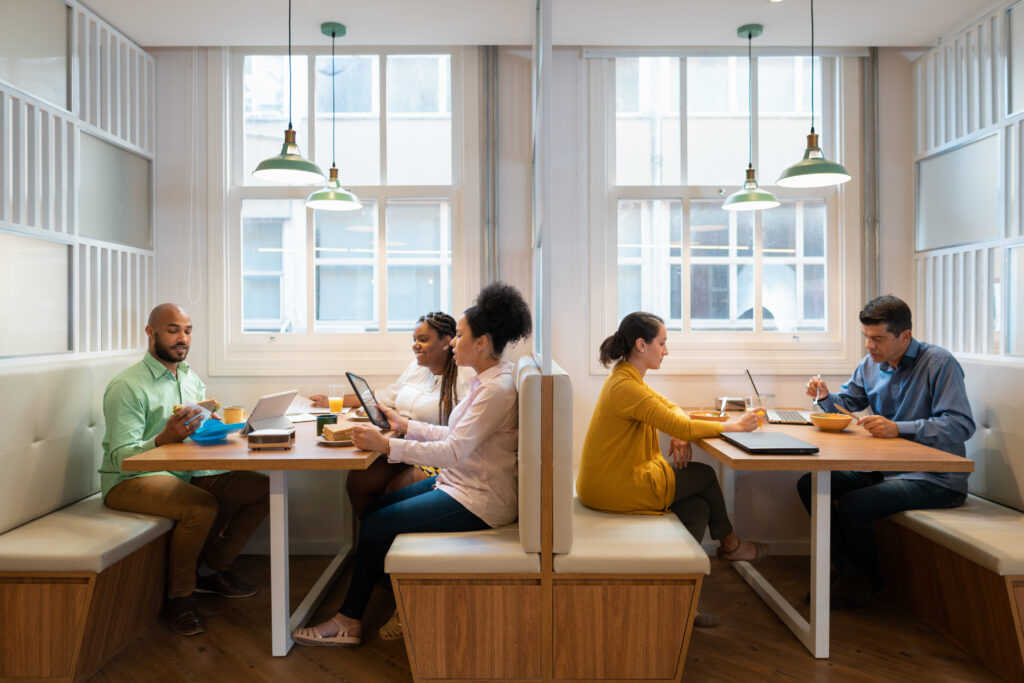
(289, 167)
(333, 197)
(750, 197)
(814, 170)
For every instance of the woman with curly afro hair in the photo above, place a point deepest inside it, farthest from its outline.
(477, 452)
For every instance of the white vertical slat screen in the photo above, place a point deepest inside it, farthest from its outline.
(113, 95)
(116, 94)
(961, 95)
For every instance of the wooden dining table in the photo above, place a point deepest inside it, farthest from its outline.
(234, 454)
(851, 449)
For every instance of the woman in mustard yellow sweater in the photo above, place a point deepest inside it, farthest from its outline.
(622, 469)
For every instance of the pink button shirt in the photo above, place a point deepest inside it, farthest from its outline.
(478, 449)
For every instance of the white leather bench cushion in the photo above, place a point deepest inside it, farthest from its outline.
(984, 532)
(630, 544)
(51, 444)
(86, 536)
(489, 551)
(997, 447)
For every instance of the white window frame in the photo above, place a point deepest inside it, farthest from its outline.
(704, 352)
(235, 353)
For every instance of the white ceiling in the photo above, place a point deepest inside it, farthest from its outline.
(853, 23)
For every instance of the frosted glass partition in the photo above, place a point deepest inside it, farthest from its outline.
(1017, 58)
(958, 195)
(35, 319)
(115, 200)
(34, 48)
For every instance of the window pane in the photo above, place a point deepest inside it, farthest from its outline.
(647, 146)
(717, 137)
(1015, 302)
(778, 229)
(273, 265)
(784, 116)
(419, 260)
(814, 227)
(721, 270)
(647, 230)
(265, 110)
(709, 292)
(115, 204)
(814, 297)
(347, 295)
(419, 129)
(261, 297)
(357, 154)
(629, 290)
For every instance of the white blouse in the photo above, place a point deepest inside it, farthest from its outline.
(477, 450)
(417, 393)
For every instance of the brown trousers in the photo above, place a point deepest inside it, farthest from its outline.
(214, 517)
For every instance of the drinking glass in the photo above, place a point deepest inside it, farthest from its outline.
(336, 397)
(757, 404)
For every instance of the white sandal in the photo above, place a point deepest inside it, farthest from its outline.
(310, 635)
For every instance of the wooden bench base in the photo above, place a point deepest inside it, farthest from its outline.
(622, 627)
(65, 626)
(977, 609)
(471, 626)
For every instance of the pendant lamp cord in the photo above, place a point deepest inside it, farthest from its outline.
(334, 115)
(290, 63)
(812, 67)
(750, 103)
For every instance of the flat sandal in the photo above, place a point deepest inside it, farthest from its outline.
(343, 638)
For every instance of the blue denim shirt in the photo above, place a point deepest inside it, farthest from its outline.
(924, 395)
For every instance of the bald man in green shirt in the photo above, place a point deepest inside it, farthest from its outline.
(215, 511)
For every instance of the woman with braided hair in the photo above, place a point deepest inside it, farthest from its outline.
(428, 390)
(477, 452)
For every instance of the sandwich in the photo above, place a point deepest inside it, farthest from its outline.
(210, 404)
(337, 432)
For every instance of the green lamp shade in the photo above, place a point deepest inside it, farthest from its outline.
(750, 197)
(289, 167)
(334, 197)
(813, 170)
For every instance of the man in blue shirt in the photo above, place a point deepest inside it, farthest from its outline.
(915, 391)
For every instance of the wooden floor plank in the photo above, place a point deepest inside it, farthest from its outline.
(879, 642)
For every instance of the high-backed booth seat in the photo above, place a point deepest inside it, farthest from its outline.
(962, 570)
(471, 602)
(78, 581)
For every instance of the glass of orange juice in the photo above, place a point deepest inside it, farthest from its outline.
(336, 397)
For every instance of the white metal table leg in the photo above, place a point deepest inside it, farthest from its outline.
(281, 639)
(813, 634)
(821, 520)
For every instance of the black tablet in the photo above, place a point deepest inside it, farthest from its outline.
(366, 397)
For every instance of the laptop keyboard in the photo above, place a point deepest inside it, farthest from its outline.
(789, 416)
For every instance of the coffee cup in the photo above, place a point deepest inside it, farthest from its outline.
(322, 420)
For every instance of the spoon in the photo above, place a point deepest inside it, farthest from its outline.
(817, 395)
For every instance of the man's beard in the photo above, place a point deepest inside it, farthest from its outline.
(166, 353)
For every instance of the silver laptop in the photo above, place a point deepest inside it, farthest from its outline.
(787, 417)
(269, 412)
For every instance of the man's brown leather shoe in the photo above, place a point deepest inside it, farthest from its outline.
(184, 616)
(224, 583)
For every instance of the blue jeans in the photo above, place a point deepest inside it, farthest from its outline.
(858, 499)
(416, 508)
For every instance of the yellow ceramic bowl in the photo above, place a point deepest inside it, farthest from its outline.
(708, 416)
(830, 422)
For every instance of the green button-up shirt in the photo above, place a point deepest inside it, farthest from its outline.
(136, 406)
